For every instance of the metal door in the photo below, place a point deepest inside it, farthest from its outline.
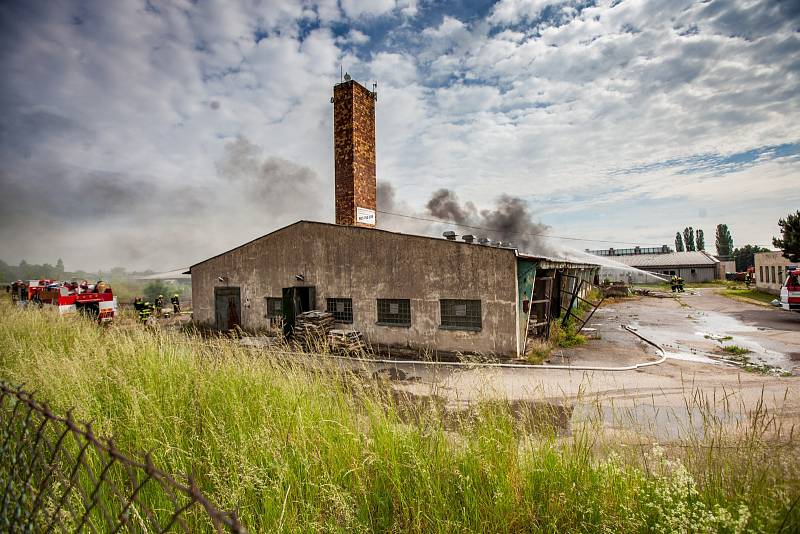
(227, 307)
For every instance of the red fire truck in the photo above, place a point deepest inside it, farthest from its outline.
(95, 300)
(790, 292)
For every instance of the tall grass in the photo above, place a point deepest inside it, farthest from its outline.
(296, 446)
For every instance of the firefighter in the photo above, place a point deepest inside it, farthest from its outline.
(674, 283)
(159, 305)
(145, 312)
(680, 284)
(138, 306)
(176, 304)
(747, 279)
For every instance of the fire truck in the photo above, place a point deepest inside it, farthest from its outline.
(95, 300)
(790, 292)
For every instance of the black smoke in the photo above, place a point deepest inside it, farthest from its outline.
(510, 220)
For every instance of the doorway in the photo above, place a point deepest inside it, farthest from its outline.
(297, 300)
(227, 307)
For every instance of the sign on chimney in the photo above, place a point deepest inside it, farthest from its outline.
(365, 216)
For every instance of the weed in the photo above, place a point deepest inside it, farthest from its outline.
(565, 336)
(735, 349)
(538, 352)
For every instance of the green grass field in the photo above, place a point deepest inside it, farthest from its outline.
(749, 294)
(296, 449)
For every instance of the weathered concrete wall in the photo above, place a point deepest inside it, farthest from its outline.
(367, 264)
(771, 271)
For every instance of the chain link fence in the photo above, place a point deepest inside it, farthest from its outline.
(56, 475)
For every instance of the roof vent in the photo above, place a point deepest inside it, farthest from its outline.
(449, 235)
(483, 241)
(468, 238)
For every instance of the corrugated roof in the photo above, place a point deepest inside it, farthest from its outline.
(673, 259)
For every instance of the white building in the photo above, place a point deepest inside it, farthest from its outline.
(771, 270)
(696, 266)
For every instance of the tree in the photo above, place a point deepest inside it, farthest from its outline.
(156, 288)
(790, 243)
(701, 240)
(724, 242)
(744, 256)
(688, 238)
(678, 242)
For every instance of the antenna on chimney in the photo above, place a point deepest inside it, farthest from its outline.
(375, 90)
(341, 74)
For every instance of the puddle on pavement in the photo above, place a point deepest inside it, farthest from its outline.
(717, 330)
(693, 357)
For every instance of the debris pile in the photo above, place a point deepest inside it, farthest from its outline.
(311, 328)
(346, 340)
(615, 289)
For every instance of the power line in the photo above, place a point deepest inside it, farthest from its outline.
(532, 234)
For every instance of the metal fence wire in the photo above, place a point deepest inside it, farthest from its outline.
(56, 475)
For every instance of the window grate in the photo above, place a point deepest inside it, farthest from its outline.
(461, 314)
(341, 309)
(274, 306)
(394, 311)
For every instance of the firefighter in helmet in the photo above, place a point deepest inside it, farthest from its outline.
(674, 283)
(747, 280)
(139, 306)
(176, 303)
(159, 305)
(680, 284)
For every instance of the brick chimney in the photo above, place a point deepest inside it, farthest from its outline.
(354, 153)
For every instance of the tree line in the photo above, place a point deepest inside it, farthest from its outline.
(789, 243)
(37, 271)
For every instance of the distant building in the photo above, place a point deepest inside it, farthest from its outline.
(696, 266)
(726, 266)
(771, 271)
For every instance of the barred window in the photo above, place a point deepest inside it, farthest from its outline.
(461, 314)
(274, 306)
(394, 312)
(342, 309)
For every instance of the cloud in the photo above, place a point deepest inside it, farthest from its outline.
(185, 120)
(515, 11)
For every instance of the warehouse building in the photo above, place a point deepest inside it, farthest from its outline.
(399, 290)
(693, 267)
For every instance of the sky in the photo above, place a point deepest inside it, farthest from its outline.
(155, 134)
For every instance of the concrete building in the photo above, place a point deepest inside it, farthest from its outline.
(695, 266)
(771, 270)
(399, 290)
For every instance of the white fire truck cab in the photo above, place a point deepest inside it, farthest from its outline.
(790, 291)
